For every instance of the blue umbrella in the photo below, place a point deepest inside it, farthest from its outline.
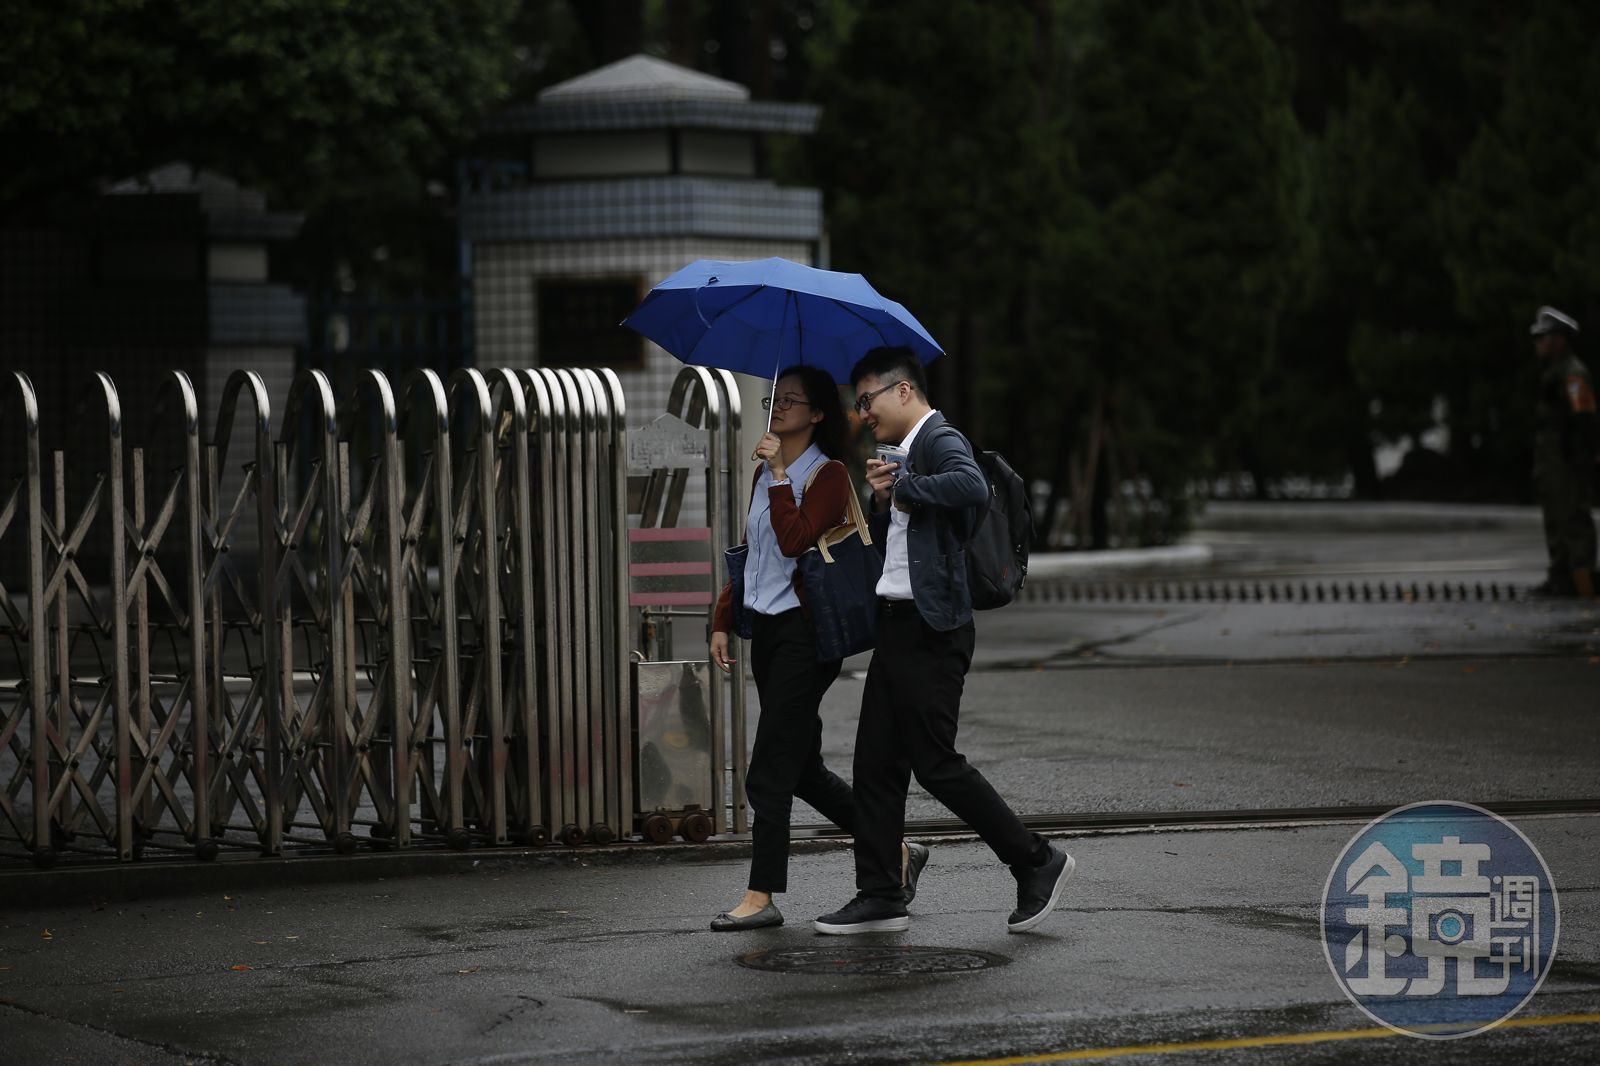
(767, 315)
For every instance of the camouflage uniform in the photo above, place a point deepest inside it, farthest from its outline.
(1563, 473)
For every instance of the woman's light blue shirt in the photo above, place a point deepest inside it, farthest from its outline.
(768, 573)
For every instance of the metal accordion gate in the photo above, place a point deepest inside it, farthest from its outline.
(397, 616)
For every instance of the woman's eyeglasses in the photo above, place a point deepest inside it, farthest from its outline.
(782, 403)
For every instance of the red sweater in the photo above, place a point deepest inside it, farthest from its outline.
(826, 505)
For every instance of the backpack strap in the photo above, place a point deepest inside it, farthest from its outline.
(980, 513)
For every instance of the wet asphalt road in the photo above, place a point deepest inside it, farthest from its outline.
(1164, 938)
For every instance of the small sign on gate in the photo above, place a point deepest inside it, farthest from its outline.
(668, 443)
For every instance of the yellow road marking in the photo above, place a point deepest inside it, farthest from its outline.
(1089, 1054)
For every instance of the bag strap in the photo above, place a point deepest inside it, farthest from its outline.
(852, 505)
(857, 523)
(973, 451)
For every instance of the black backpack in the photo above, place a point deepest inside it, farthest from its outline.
(997, 550)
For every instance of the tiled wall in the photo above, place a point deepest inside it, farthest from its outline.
(505, 296)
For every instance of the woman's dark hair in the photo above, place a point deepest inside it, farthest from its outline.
(822, 393)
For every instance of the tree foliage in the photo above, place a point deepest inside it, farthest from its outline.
(1095, 204)
(1163, 242)
(1521, 227)
(283, 95)
(1261, 237)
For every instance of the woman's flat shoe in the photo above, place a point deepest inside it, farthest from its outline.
(768, 915)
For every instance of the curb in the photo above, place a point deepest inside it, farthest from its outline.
(1315, 516)
(1049, 566)
(155, 879)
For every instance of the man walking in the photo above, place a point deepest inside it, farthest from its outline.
(1564, 455)
(920, 517)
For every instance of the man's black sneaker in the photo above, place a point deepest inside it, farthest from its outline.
(865, 914)
(1038, 889)
(916, 858)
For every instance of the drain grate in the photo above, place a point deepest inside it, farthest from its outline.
(880, 961)
(1247, 591)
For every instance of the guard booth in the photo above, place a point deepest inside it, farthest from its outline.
(688, 718)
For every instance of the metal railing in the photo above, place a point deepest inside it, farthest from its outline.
(404, 611)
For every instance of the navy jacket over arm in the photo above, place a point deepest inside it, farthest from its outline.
(943, 489)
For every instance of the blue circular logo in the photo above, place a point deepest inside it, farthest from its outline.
(1440, 919)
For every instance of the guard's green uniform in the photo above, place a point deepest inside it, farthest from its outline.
(1563, 473)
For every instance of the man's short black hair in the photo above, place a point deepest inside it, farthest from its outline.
(897, 363)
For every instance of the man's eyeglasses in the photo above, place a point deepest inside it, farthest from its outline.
(865, 401)
(782, 403)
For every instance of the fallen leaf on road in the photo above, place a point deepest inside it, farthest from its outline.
(227, 897)
(47, 935)
(241, 967)
(258, 941)
(291, 936)
(1469, 669)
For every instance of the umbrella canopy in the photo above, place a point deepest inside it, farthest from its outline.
(766, 315)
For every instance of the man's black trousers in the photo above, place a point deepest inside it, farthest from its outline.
(909, 713)
(786, 761)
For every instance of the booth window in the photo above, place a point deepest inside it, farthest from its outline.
(579, 323)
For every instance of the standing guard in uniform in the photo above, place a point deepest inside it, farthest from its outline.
(1564, 455)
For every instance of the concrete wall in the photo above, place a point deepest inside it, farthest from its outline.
(588, 154)
(705, 152)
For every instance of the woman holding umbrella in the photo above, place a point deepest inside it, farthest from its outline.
(801, 490)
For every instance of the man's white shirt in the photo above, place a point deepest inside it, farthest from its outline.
(895, 584)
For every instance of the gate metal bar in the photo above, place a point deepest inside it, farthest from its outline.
(554, 694)
(243, 744)
(565, 468)
(309, 525)
(524, 795)
(474, 531)
(371, 575)
(613, 466)
(29, 703)
(435, 711)
(171, 764)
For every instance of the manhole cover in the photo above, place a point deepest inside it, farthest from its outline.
(880, 961)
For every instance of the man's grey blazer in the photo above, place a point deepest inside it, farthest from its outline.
(944, 488)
